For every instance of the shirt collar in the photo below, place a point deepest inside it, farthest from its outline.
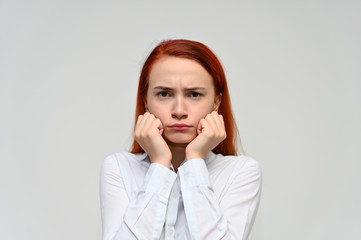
(142, 156)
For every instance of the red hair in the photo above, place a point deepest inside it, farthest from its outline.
(205, 57)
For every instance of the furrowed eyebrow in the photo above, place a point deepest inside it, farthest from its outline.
(186, 89)
(195, 89)
(163, 88)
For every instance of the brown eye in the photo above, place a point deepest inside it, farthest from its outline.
(163, 94)
(195, 95)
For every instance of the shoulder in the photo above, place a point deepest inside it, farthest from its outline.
(117, 160)
(248, 163)
(121, 156)
(238, 165)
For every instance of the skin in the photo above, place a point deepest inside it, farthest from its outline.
(180, 91)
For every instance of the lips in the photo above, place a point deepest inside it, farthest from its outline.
(180, 126)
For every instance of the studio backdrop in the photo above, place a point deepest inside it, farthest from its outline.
(68, 80)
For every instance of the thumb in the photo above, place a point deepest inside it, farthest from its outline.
(160, 126)
(200, 126)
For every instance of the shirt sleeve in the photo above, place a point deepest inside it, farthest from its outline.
(142, 217)
(233, 215)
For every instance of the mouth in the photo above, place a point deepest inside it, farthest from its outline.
(180, 126)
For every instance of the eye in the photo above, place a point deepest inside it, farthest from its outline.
(195, 95)
(163, 94)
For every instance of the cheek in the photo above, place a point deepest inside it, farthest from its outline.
(158, 110)
(202, 111)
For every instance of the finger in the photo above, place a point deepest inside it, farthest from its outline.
(217, 126)
(159, 125)
(139, 119)
(222, 127)
(143, 121)
(205, 126)
(218, 119)
(200, 126)
(148, 124)
(212, 123)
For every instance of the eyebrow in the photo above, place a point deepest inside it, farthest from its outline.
(187, 89)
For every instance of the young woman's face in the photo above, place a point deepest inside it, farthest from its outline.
(180, 94)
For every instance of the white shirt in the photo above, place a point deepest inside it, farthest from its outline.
(215, 198)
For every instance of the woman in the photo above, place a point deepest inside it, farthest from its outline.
(182, 178)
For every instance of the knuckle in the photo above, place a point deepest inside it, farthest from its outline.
(142, 135)
(212, 134)
(148, 134)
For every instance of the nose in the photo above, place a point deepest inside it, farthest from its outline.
(179, 110)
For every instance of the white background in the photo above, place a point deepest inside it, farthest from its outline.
(68, 80)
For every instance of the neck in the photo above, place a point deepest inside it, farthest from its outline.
(178, 154)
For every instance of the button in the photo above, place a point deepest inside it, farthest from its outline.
(170, 231)
(175, 196)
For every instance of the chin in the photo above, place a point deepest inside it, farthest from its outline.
(179, 138)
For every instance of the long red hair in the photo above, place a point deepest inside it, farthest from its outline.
(205, 57)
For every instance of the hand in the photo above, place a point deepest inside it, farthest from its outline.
(148, 133)
(211, 132)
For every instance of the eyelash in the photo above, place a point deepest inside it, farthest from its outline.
(198, 94)
(164, 94)
(159, 94)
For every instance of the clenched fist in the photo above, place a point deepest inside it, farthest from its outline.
(148, 133)
(211, 132)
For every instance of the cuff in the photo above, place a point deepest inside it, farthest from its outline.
(194, 173)
(159, 180)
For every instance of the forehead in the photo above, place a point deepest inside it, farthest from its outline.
(179, 72)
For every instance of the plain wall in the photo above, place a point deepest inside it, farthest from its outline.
(68, 80)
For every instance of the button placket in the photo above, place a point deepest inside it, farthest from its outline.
(172, 212)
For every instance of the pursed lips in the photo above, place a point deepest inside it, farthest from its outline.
(180, 126)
